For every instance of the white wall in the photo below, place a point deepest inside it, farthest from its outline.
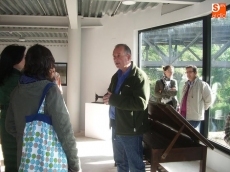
(98, 43)
(218, 161)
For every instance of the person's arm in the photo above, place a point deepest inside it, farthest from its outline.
(56, 108)
(172, 91)
(10, 123)
(157, 90)
(207, 96)
(58, 81)
(10, 84)
(106, 97)
(139, 98)
(227, 131)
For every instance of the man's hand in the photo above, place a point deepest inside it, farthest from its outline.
(106, 97)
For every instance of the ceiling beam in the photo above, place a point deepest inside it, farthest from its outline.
(45, 22)
(90, 22)
(30, 43)
(34, 38)
(171, 1)
(72, 8)
(40, 30)
(168, 8)
(34, 21)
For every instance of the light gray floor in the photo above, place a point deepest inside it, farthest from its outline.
(96, 156)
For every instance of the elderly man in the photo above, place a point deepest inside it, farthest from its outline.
(128, 96)
(196, 98)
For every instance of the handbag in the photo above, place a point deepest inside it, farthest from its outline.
(42, 151)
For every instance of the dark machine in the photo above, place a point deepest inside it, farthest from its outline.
(98, 97)
(172, 139)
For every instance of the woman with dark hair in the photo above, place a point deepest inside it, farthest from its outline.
(11, 64)
(39, 71)
(166, 87)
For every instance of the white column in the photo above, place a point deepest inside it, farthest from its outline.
(73, 76)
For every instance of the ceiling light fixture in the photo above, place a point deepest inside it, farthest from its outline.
(125, 2)
(21, 40)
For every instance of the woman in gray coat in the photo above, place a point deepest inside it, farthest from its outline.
(166, 88)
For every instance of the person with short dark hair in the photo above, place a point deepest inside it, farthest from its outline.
(11, 64)
(128, 96)
(166, 88)
(192, 67)
(196, 98)
(39, 71)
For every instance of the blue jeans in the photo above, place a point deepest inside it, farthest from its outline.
(128, 152)
(195, 124)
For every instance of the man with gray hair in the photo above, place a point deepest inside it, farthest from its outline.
(128, 96)
(196, 98)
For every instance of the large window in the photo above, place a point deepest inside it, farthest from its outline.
(185, 43)
(177, 45)
(220, 78)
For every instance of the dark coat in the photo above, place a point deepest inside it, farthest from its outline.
(9, 144)
(131, 103)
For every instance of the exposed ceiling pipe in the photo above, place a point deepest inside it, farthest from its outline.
(65, 7)
(56, 7)
(114, 13)
(41, 7)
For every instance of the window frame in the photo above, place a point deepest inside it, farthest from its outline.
(206, 64)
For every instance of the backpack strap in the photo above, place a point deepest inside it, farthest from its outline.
(46, 89)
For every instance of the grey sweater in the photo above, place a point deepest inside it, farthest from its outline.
(199, 99)
(24, 101)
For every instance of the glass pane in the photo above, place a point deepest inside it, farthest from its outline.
(178, 45)
(220, 79)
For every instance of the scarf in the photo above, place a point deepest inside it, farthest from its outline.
(27, 79)
(164, 79)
